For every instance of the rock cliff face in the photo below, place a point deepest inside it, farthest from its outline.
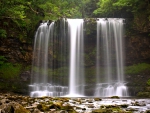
(137, 49)
(16, 51)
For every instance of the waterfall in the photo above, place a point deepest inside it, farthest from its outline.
(76, 73)
(40, 84)
(110, 54)
(59, 59)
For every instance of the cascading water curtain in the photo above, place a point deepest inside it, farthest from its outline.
(58, 66)
(76, 69)
(109, 58)
(43, 83)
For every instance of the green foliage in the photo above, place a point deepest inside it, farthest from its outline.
(144, 94)
(10, 70)
(54, 10)
(148, 82)
(25, 14)
(13, 9)
(137, 68)
(2, 60)
(110, 7)
(3, 33)
(105, 7)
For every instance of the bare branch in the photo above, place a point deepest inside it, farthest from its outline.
(33, 9)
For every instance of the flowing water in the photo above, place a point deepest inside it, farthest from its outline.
(58, 67)
(110, 54)
(42, 83)
(76, 72)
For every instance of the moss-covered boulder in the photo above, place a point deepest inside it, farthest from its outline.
(13, 107)
(97, 99)
(43, 107)
(114, 97)
(102, 111)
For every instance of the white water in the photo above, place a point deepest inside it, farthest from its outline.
(40, 84)
(69, 48)
(76, 72)
(110, 80)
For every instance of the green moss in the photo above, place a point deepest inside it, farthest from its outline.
(147, 111)
(2, 60)
(21, 109)
(9, 70)
(114, 97)
(110, 109)
(144, 94)
(3, 33)
(137, 68)
(148, 82)
(42, 107)
(97, 99)
(106, 110)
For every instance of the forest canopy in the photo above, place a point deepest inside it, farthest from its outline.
(25, 14)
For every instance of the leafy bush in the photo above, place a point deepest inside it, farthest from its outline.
(137, 68)
(148, 82)
(2, 60)
(9, 70)
(3, 33)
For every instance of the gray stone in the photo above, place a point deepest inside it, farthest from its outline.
(25, 76)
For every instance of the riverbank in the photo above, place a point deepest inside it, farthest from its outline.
(12, 103)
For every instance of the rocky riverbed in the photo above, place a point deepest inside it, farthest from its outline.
(12, 103)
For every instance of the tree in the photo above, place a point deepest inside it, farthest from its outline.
(23, 15)
(136, 9)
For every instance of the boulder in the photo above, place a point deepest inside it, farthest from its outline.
(13, 107)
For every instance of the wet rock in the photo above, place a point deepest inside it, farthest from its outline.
(90, 101)
(78, 108)
(91, 106)
(77, 100)
(64, 99)
(67, 107)
(63, 111)
(102, 111)
(124, 105)
(97, 99)
(147, 111)
(72, 111)
(36, 111)
(132, 110)
(43, 107)
(13, 107)
(25, 76)
(115, 97)
(4, 101)
(138, 103)
(83, 109)
(58, 104)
